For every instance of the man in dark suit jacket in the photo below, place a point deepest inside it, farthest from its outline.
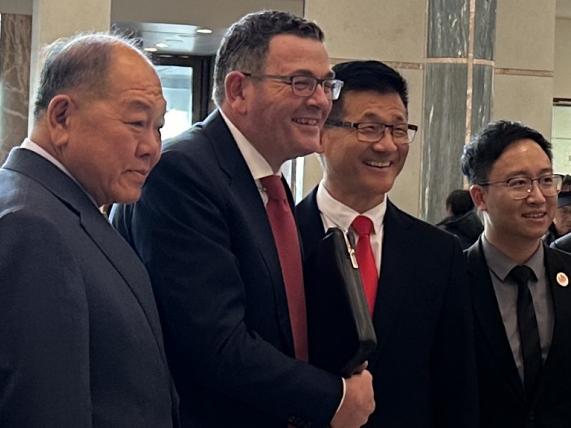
(202, 230)
(80, 339)
(423, 368)
(522, 323)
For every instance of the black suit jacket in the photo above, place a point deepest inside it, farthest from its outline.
(423, 368)
(502, 398)
(201, 229)
(80, 340)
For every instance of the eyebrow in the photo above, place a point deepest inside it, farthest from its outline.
(304, 72)
(521, 173)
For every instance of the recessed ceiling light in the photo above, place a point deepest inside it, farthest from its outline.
(161, 45)
(151, 49)
(204, 30)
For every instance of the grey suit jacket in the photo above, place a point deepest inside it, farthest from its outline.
(80, 340)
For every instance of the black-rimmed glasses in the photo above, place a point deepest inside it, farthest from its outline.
(371, 132)
(304, 86)
(520, 187)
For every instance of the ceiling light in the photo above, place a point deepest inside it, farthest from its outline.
(204, 30)
(151, 49)
(161, 45)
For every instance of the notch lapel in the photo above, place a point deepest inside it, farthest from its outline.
(488, 318)
(244, 194)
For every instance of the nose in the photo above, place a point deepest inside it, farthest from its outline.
(535, 193)
(150, 145)
(320, 99)
(386, 143)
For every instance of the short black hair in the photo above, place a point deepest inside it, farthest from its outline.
(488, 145)
(459, 202)
(367, 76)
(246, 43)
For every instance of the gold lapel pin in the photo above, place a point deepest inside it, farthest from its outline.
(562, 279)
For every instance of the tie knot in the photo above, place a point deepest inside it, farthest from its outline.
(362, 225)
(521, 274)
(274, 187)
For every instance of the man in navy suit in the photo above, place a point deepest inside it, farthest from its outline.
(80, 339)
(413, 273)
(202, 227)
(520, 287)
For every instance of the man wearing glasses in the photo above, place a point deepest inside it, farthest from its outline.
(216, 231)
(413, 273)
(520, 287)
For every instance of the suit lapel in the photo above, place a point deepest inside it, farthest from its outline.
(246, 196)
(310, 224)
(395, 273)
(557, 263)
(488, 318)
(113, 247)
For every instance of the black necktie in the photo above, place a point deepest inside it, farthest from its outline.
(527, 326)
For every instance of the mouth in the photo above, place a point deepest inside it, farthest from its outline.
(306, 121)
(378, 164)
(535, 215)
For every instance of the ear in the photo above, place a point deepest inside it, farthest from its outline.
(235, 86)
(58, 117)
(478, 194)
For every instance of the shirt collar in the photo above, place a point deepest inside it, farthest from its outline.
(257, 164)
(342, 215)
(502, 265)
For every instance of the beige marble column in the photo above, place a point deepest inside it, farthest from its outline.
(52, 19)
(15, 42)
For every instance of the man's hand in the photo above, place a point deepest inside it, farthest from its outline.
(358, 404)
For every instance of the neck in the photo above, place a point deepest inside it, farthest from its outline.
(359, 202)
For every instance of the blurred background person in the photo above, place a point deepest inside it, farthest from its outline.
(462, 220)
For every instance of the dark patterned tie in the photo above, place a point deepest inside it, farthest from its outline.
(527, 326)
(287, 243)
(363, 226)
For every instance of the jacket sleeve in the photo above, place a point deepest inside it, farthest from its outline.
(44, 328)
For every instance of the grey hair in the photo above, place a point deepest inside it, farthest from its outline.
(78, 62)
(245, 44)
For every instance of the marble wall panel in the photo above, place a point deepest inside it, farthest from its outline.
(524, 98)
(482, 88)
(485, 29)
(389, 30)
(15, 45)
(448, 28)
(444, 135)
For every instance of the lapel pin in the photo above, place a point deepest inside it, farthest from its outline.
(562, 279)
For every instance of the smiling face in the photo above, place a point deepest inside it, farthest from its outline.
(113, 141)
(278, 123)
(359, 174)
(513, 223)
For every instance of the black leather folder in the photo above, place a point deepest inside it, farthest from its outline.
(340, 331)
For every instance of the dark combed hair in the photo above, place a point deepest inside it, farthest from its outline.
(488, 145)
(367, 76)
(459, 202)
(246, 43)
(78, 62)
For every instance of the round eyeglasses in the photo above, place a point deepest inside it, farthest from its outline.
(521, 187)
(371, 132)
(304, 86)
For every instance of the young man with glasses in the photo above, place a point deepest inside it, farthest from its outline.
(413, 273)
(215, 228)
(520, 287)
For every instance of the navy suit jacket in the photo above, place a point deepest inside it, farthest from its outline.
(201, 229)
(423, 368)
(80, 340)
(502, 399)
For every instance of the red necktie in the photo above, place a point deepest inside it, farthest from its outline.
(287, 244)
(363, 226)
